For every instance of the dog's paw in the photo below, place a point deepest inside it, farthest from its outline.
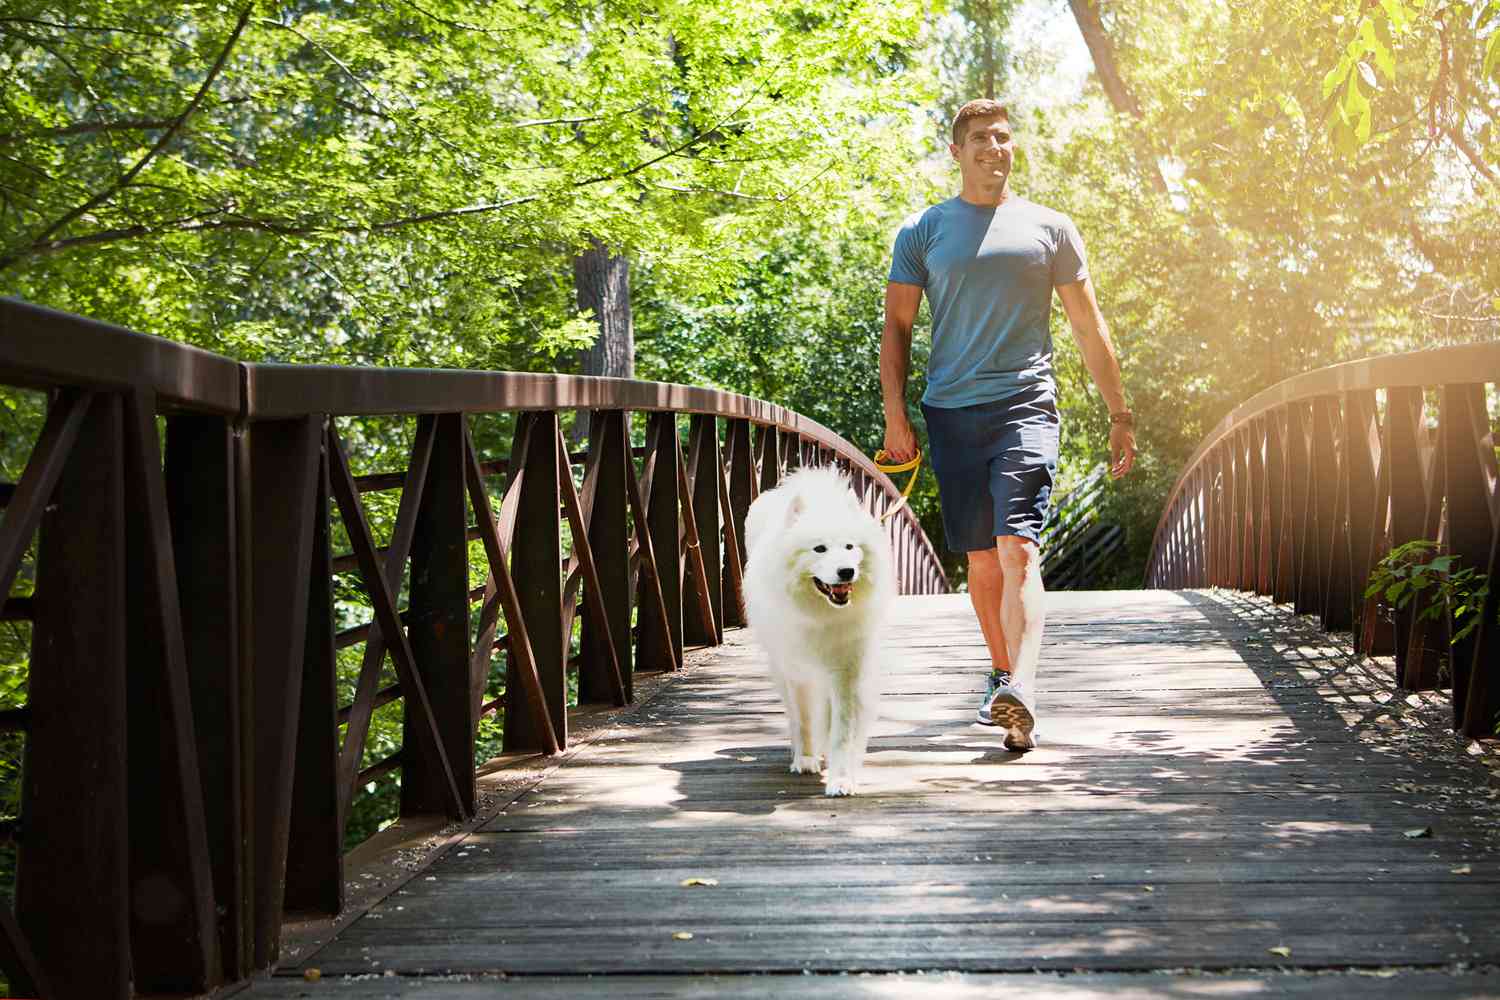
(838, 787)
(802, 764)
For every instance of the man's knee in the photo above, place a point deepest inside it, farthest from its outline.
(983, 561)
(1018, 555)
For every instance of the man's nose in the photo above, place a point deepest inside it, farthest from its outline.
(846, 573)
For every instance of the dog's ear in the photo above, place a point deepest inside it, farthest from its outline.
(794, 510)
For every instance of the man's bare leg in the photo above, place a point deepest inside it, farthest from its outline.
(986, 592)
(1022, 606)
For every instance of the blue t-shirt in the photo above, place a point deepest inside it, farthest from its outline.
(988, 273)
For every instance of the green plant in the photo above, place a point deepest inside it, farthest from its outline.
(1406, 572)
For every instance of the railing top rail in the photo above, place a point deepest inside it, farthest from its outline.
(288, 390)
(43, 347)
(1465, 363)
(1457, 365)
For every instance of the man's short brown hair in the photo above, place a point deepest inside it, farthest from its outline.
(982, 108)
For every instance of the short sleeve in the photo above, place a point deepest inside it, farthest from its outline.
(908, 258)
(1069, 262)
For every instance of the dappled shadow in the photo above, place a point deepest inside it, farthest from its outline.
(1199, 797)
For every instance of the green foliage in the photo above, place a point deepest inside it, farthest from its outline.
(1384, 31)
(1412, 571)
(405, 183)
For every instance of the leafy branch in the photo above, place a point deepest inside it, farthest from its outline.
(161, 144)
(1406, 573)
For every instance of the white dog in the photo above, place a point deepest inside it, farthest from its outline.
(818, 582)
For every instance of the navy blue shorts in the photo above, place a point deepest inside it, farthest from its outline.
(995, 463)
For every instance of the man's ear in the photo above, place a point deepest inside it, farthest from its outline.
(794, 510)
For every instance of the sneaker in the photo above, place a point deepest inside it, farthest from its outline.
(1008, 706)
(997, 679)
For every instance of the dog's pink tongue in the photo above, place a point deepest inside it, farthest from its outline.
(841, 588)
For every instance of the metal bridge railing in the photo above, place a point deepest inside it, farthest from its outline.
(184, 778)
(1300, 491)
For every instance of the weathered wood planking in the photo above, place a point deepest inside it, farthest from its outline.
(1214, 781)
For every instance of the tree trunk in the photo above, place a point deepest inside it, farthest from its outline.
(602, 281)
(1086, 13)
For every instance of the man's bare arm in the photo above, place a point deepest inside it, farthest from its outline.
(1092, 335)
(901, 304)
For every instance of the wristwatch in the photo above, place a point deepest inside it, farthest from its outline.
(1123, 417)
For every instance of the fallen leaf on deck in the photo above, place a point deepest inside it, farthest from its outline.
(745, 759)
(312, 975)
(699, 881)
(1462, 870)
(1148, 888)
(1421, 831)
(683, 935)
(1281, 950)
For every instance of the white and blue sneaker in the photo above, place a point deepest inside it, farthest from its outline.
(1006, 705)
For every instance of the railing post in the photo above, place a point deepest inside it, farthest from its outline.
(1306, 597)
(1379, 635)
(1255, 542)
(1468, 471)
(664, 526)
(174, 939)
(1413, 516)
(1199, 540)
(741, 493)
(1275, 522)
(200, 484)
(282, 480)
(536, 561)
(315, 848)
(703, 479)
(1361, 443)
(1223, 516)
(72, 888)
(1333, 505)
(438, 630)
(768, 447)
(605, 500)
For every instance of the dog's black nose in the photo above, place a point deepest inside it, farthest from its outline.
(846, 574)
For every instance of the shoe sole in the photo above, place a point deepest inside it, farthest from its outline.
(1011, 714)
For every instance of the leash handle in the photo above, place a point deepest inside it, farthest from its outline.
(914, 467)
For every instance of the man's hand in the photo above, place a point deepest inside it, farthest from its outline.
(900, 440)
(1121, 449)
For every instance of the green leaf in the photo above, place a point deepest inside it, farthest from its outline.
(1336, 76)
(1393, 593)
(1367, 74)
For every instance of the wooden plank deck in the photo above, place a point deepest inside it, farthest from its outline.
(1216, 780)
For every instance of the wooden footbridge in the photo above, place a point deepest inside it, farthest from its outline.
(1229, 800)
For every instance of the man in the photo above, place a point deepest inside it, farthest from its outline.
(988, 261)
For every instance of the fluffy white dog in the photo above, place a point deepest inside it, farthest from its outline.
(818, 582)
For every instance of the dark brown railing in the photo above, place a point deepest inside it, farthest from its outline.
(184, 782)
(1299, 492)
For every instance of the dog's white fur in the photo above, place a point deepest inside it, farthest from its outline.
(822, 656)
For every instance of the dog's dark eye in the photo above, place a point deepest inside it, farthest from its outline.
(820, 548)
(849, 546)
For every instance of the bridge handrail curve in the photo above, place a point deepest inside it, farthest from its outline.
(1299, 491)
(211, 622)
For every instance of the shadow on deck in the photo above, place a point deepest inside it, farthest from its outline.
(1224, 804)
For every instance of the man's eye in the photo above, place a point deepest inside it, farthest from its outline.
(820, 548)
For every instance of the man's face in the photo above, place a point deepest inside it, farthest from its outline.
(985, 154)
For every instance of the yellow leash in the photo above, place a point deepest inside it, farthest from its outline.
(914, 467)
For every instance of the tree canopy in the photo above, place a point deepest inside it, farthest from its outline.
(1264, 188)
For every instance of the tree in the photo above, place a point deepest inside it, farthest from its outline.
(400, 182)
